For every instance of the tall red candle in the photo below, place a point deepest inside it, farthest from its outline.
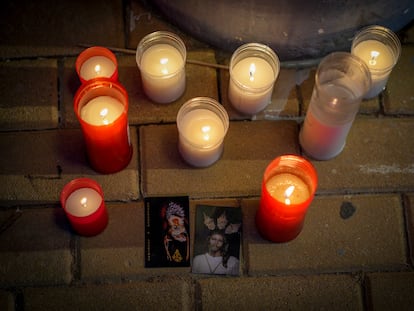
(288, 187)
(96, 62)
(83, 202)
(101, 107)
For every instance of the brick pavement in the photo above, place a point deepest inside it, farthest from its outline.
(364, 262)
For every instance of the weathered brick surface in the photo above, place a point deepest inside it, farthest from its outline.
(248, 148)
(409, 201)
(55, 157)
(27, 101)
(328, 242)
(319, 292)
(390, 291)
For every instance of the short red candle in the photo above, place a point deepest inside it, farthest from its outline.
(97, 62)
(83, 203)
(283, 204)
(108, 143)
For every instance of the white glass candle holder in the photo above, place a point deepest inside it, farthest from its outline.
(161, 58)
(202, 125)
(254, 68)
(341, 81)
(380, 49)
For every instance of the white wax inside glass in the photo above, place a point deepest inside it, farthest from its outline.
(101, 110)
(288, 188)
(256, 76)
(201, 136)
(379, 59)
(97, 66)
(162, 72)
(83, 202)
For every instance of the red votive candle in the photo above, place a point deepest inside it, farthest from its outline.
(101, 106)
(96, 62)
(288, 187)
(84, 206)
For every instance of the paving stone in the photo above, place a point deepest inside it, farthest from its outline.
(374, 159)
(399, 95)
(248, 149)
(30, 23)
(6, 301)
(29, 94)
(56, 157)
(319, 292)
(150, 295)
(391, 291)
(330, 243)
(35, 247)
(409, 204)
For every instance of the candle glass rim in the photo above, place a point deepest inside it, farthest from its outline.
(337, 61)
(259, 50)
(203, 103)
(383, 35)
(96, 51)
(80, 99)
(289, 163)
(160, 37)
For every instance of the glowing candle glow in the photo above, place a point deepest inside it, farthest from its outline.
(253, 71)
(83, 203)
(161, 59)
(102, 110)
(96, 62)
(202, 125)
(288, 187)
(380, 49)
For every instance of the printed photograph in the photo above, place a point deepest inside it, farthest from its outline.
(217, 240)
(167, 232)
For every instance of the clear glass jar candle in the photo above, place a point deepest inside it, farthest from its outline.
(202, 125)
(254, 68)
(161, 58)
(380, 49)
(341, 81)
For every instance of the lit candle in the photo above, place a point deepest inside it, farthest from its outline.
(253, 71)
(161, 59)
(96, 62)
(202, 125)
(380, 49)
(101, 106)
(288, 187)
(82, 201)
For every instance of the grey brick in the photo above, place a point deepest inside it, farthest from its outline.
(56, 157)
(330, 243)
(399, 95)
(35, 249)
(318, 292)
(248, 149)
(375, 158)
(391, 291)
(29, 93)
(150, 295)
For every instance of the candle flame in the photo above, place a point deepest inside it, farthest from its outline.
(206, 129)
(103, 114)
(288, 194)
(374, 56)
(164, 61)
(83, 201)
(97, 69)
(252, 70)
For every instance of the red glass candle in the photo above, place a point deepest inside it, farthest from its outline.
(96, 62)
(288, 188)
(83, 203)
(101, 107)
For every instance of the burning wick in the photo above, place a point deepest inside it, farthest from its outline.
(164, 61)
(206, 129)
(97, 69)
(83, 201)
(288, 193)
(374, 55)
(252, 70)
(103, 114)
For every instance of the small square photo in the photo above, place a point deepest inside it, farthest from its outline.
(217, 240)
